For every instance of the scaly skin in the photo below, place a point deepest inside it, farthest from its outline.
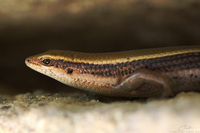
(145, 72)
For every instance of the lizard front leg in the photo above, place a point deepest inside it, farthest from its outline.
(132, 84)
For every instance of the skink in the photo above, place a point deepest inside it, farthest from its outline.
(158, 72)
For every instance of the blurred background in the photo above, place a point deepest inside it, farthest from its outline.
(29, 27)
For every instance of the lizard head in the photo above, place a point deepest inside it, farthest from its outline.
(52, 64)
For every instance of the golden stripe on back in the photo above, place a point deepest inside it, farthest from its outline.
(117, 57)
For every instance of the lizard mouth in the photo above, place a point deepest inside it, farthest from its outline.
(32, 62)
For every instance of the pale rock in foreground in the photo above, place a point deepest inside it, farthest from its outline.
(57, 113)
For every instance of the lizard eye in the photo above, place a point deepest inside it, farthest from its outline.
(46, 61)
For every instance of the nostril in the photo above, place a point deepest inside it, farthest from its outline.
(28, 60)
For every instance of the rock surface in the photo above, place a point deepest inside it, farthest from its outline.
(53, 113)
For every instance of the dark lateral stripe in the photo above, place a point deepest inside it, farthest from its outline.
(166, 63)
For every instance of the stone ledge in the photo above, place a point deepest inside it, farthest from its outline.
(59, 113)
